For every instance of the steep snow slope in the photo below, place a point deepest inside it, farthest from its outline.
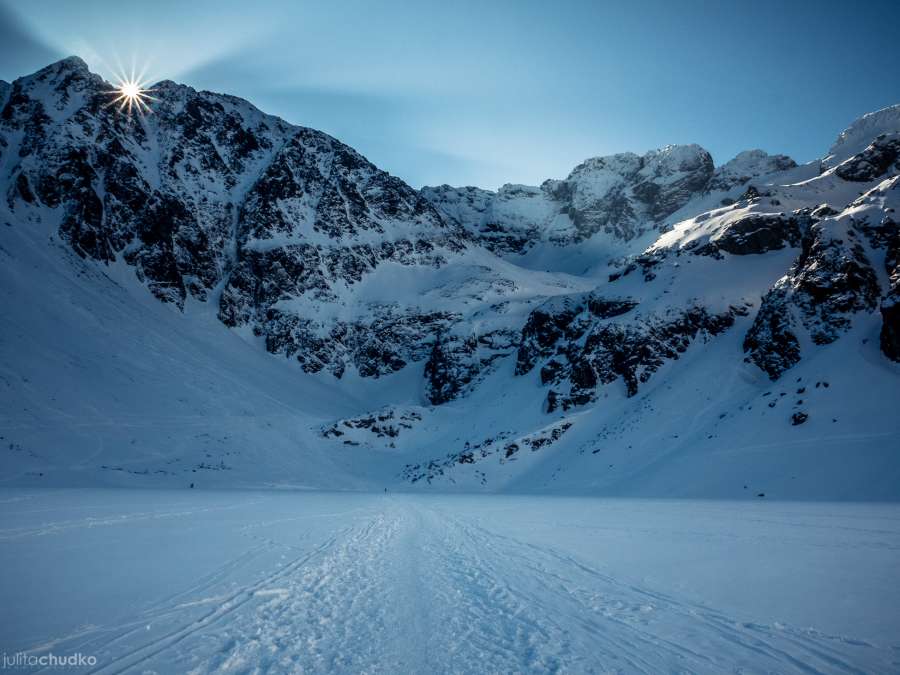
(102, 384)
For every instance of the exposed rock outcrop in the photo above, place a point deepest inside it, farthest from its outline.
(881, 156)
(582, 348)
(756, 234)
(746, 166)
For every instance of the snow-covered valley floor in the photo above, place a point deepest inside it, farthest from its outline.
(239, 581)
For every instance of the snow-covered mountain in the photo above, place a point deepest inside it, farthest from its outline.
(619, 196)
(207, 293)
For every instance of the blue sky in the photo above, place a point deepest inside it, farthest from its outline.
(489, 92)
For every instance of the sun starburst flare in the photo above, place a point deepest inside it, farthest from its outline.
(132, 96)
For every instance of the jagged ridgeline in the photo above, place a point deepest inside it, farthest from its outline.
(576, 288)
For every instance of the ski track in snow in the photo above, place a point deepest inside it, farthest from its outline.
(638, 629)
(409, 585)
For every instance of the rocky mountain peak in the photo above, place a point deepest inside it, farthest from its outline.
(676, 158)
(746, 166)
(207, 197)
(623, 164)
(66, 71)
(855, 138)
(67, 65)
(618, 197)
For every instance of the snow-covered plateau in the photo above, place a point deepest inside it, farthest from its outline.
(265, 407)
(266, 582)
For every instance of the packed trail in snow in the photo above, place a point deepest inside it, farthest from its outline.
(233, 582)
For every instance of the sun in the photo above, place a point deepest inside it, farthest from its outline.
(132, 96)
(130, 90)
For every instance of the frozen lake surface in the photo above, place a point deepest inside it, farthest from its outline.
(230, 581)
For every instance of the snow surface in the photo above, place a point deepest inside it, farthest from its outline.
(102, 384)
(235, 582)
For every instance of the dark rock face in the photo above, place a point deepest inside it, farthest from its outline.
(457, 363)
(832, 280)
(647, 262)
(799, 418)
(887, 236)
(442, 375)
(634, 352)
(750, 194)
(604, 308)
(385, 424)
(756, 234)
(501, 445)
(890, 327)
(175, 251)
(563, 320)
(544, 328)
(890, 305)
(874, 218)
(379, 346)
(72, 187)
(583, 349)
(881, 156)
(771, 341)
(822, 211)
